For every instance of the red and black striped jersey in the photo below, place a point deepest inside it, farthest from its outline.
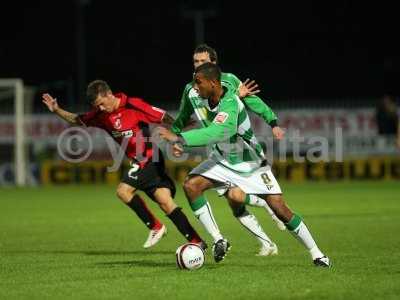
(130, 121)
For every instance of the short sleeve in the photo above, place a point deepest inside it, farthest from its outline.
(148, 113)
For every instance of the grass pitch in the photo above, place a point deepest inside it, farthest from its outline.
(80, 242)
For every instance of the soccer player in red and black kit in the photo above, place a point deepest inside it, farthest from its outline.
(128, 118)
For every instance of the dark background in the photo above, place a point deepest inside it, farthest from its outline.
(319, 51)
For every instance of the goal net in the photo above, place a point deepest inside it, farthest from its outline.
(13, 115)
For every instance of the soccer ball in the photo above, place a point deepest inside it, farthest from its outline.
(190, 256)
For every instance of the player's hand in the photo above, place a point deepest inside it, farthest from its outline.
(177, 150)
(278, 132)
(248, 88)
(167, 135)
(50, 102)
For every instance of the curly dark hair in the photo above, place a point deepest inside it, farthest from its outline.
(210, 71)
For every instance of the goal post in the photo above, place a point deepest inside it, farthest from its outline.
(17, 86)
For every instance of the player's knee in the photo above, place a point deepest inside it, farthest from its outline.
(190, 186)
(277, 199)
(165, 200)
(236, 195)
(230, 194)
(124, 194)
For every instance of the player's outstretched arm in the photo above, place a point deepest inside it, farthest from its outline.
(53, 106)
(220, 129)
(247, 91)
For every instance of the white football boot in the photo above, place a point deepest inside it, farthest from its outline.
(155, 236)
(268, 250)
(279, 223)
(322, 262)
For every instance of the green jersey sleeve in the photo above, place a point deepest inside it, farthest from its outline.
(222, 127)
(258, 106)
(185, 111)
(252, 102)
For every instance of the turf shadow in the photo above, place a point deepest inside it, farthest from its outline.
(138, 263)
(138, 252)
(95, 252)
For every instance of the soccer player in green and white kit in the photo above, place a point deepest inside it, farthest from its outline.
(192, 103)
(237, 159)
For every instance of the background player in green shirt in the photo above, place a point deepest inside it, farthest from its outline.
(237, 159)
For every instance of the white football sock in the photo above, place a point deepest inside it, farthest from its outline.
(254, 200)
(302, 233)
(206, 217)
(250, 221)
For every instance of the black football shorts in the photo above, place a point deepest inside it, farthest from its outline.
(149, 178)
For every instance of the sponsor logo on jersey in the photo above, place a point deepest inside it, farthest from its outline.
(116, 120)
(125, 134)
(221, 117)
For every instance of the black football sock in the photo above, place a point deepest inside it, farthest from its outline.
(140, 208)
(182, 223)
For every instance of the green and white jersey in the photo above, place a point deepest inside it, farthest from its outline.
(232, 83)
(227, 129)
